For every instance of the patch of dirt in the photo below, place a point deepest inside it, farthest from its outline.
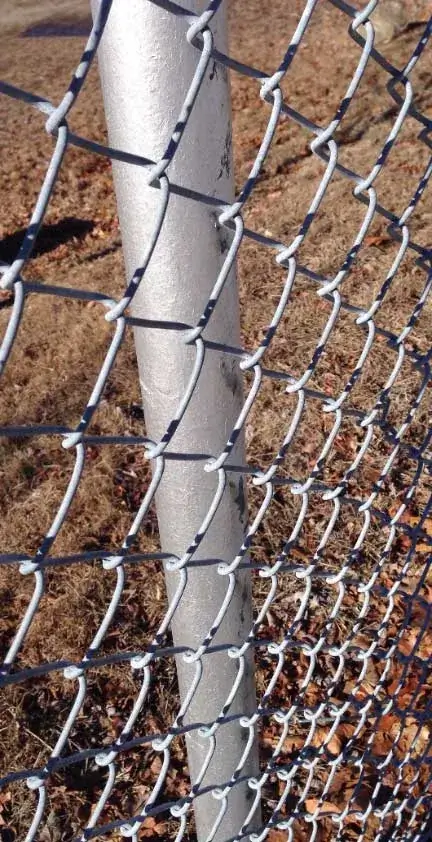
(20, 15)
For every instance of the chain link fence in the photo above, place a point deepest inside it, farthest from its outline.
(340, 635)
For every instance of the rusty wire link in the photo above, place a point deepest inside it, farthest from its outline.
(402, 815)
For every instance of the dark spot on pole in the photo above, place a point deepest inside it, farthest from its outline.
(240, 501)
(239, 498)
(225, 162)
(223, 241)
(223, 235)
(230, 375)
(213, 72)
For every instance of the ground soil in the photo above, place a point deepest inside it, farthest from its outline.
(60, 347)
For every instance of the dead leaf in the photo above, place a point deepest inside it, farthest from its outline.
(342, 784)
(313, 694)
(320, 738)
(5, 798)
(377, 240)
(415, 520)
(156, 765)
(314, 804)
(297, 552)
(409, 738)
(277, 836)
(362, 642)
(345, 731)
(292, 743)
(364, 691)
(383, 742)
(300, 833)
(6, 298)
(151, 827)
(408, 641)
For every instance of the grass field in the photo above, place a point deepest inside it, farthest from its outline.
(60, 347)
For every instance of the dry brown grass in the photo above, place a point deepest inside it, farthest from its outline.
(59, 350)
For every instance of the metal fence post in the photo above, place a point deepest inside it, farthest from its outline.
(146, 66)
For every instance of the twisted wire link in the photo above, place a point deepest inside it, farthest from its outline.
(302, 781)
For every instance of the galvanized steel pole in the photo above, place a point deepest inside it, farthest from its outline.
(146, 66)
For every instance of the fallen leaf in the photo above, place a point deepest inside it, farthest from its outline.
(415, 520)
(383, 742)
(6, 298)
(297, 552)
(407, 737)
(151, 827)
(342, 784)
(378, 240)
(277, 836)
(300, 833)
(292, 743)
(156, 765)
(364, 691)
(345, 731)
(314, 804)
(313, 694)
(320, 738)
(408, 641)
(5, 798)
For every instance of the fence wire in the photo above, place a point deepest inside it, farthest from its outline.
(323, 738)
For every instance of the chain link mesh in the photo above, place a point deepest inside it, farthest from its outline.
(369, 736)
